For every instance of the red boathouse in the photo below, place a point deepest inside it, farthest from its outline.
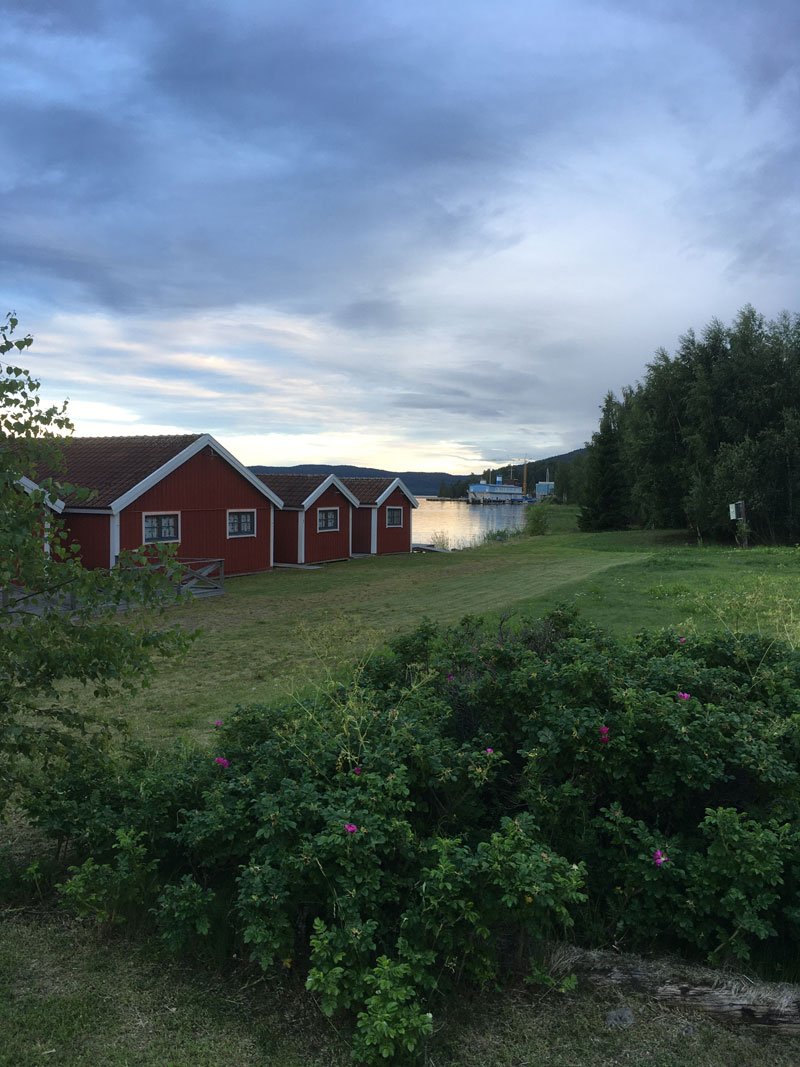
(183, 489)
(315, 522)
(382, 520)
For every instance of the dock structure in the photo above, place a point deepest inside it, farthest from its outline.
(483, 493)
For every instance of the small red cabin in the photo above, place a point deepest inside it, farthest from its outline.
(382, 520)
(315, 522)
(181, 489)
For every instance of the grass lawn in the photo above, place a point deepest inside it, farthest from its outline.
(70, 997)
(275, 634)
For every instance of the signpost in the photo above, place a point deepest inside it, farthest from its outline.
(739, 515)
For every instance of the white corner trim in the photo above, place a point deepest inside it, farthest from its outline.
(271, 536)
(113, 537)
(350, 533)
(301, 537)
(182, 457)
(373, 533)
(397, 484)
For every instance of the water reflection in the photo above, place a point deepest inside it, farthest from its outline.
(463, 524)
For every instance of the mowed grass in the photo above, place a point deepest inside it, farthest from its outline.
(70, 998)
(276, 634)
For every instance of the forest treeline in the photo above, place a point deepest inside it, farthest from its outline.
(715, 423)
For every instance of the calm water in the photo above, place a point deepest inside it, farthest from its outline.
(464, 524)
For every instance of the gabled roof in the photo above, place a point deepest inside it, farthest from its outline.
(121, 469)
(372, 492)
(300, 491)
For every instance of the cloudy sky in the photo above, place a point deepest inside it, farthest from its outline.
(418, 235)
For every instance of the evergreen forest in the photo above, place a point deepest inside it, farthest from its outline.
(715, 423)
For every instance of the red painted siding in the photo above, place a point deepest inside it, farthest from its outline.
(392, 538)
(362, 529)
(203, 490)
(328, 545)
(93, 534)
(286, 536)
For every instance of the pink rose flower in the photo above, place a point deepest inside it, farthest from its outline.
(222, 762)
(351, 828)
(660, 858)
(684, 696)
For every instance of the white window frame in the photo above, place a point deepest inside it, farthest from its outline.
(160, 540)
(240, 511)
(394, 525)
(327, 529)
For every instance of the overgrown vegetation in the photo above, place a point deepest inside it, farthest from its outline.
(465, 798)
(537, 519)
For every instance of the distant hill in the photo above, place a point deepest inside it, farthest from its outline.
(423, 483)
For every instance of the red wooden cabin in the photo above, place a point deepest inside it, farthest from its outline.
(315, 522)
(181, 489)
(382, 520)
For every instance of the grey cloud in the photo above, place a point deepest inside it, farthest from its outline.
(747, 211)
(87, 157)
(461, 405)
(373, 314)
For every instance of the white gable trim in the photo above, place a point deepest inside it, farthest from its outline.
(331, 480)
(182, 457)
(397, 484)
(32, 487)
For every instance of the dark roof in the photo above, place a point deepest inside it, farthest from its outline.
(113, 465)
(293, 489)
(368, 490)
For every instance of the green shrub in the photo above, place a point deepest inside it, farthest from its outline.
(470, 795)
(537, 520)
(501, 536)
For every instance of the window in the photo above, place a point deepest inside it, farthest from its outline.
(161, 527)
(394, 516)
(241, 524)
(327, 519)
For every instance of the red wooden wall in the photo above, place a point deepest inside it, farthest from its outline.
(362, 529)
(93, 534)
(328, 545)
(286, 536)
(395, 539)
